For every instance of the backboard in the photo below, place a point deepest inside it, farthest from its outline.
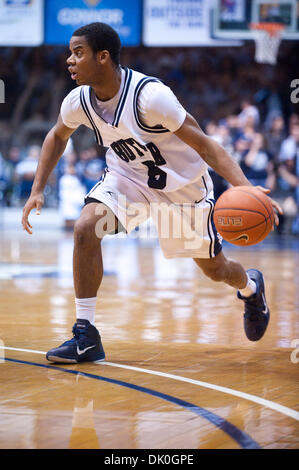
(231, 19)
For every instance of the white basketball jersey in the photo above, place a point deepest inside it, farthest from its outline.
(151, 156)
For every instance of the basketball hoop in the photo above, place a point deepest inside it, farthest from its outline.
(267, 38)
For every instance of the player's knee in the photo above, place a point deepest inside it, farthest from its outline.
(217, 275)
(85, 233)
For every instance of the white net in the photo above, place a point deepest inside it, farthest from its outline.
(267, 42)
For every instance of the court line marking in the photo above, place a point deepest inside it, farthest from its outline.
(239, 436)
(246, 396)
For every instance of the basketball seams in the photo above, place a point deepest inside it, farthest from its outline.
(255, 197)
(240, 209)
(261, 237)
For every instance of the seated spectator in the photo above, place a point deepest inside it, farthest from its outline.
(249, 114)
(7, 174)
(257, 164)
(90, 167)
(241, 147)
(71, 196)
(289, 146)
(248, 131)
(232, 121)
(14, 155)
(294, 119)
(224, 138)
(211, 129)
(25, 171)
(275, 136)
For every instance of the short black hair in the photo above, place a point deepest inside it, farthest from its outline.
(100, 36)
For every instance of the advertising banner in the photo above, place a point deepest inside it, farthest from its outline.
(62, 17)
(21, 22)
(177, 23)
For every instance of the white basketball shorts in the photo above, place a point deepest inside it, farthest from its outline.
(183, 218)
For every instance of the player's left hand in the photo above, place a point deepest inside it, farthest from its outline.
(276, 207)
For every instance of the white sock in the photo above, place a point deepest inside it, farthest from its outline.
(86, 309)
(250, 288)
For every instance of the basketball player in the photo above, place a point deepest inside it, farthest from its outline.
(157, 154)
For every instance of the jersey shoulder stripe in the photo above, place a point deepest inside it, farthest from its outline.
(122, 100)
(87, 112)
(155, 129)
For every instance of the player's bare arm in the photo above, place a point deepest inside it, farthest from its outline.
(217, 157)
(52, 149)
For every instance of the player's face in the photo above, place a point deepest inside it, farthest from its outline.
(82, 63)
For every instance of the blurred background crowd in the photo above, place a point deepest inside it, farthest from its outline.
(243, 105)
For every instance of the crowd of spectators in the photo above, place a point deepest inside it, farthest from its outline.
(245, 106)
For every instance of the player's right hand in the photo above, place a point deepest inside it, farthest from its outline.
(35, 201)
(276, 207)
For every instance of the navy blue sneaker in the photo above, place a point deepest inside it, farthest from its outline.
(85, 346)
(257, 313)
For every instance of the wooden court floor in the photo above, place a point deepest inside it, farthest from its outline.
(179, 371)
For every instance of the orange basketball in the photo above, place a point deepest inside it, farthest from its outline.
(243, 215)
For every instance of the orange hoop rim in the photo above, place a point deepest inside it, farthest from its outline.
(270, 28)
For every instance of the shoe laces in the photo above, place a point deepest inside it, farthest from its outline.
(79, 335)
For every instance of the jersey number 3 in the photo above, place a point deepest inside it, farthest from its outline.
(126, 149)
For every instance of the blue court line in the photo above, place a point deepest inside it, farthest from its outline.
(243, 439)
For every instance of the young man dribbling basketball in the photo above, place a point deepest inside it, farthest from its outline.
(157, 154)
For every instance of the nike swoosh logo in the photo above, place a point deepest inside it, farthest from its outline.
(82, 351)
(265, 311)
(241, 237)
